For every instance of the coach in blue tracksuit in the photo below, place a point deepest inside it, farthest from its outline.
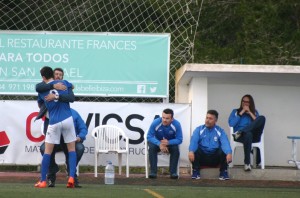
(164, 135)
(209, 146)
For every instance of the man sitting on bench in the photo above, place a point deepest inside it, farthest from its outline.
(209, 146)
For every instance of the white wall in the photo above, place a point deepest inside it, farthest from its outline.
(280, 105)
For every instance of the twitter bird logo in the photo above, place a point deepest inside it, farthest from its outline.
(152, 89)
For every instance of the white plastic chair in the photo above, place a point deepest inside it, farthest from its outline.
(107, 140)
(260, 145)
(147, 164)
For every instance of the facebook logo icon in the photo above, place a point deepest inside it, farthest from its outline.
(141, 89)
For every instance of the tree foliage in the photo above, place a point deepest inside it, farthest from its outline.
(249, 32)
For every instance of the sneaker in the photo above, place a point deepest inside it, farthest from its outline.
(247, 167)
(258, 165)
(196, 174)
(174, 176)
(76, 183)
(41, 184)
(51, 183)
(152, 176)
(71, 183)
(52, 176)
(237, 135)
(224, 175)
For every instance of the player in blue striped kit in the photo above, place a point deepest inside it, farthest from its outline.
(60, 123)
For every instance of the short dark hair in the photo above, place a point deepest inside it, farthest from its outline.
(47, 72)
(59, 69)
(169, 111)
(213, 112)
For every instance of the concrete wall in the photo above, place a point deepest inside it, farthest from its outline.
(280, 105)
(276, 91)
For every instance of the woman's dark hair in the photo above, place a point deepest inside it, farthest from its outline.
(251, 103)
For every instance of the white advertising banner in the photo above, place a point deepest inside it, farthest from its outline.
(22, 136)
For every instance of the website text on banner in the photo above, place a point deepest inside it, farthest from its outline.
(98, 64)
(24, 135)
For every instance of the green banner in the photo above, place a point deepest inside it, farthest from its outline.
(98, 64)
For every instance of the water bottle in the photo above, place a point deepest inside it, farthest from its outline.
(109, 174)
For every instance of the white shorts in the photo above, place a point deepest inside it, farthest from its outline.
(65, 128)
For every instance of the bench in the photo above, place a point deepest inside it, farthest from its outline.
(294, 151)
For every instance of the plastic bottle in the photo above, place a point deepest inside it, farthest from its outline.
(109, 174)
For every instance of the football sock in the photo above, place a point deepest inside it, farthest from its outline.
(72, 163)
(45, 166)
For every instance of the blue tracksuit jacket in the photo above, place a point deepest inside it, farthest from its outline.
(239, 122)
(158, 131)
(209, 140)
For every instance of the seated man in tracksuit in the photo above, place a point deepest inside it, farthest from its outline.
(209, 146)
(164, 135)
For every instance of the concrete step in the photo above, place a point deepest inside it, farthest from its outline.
(238, 173)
